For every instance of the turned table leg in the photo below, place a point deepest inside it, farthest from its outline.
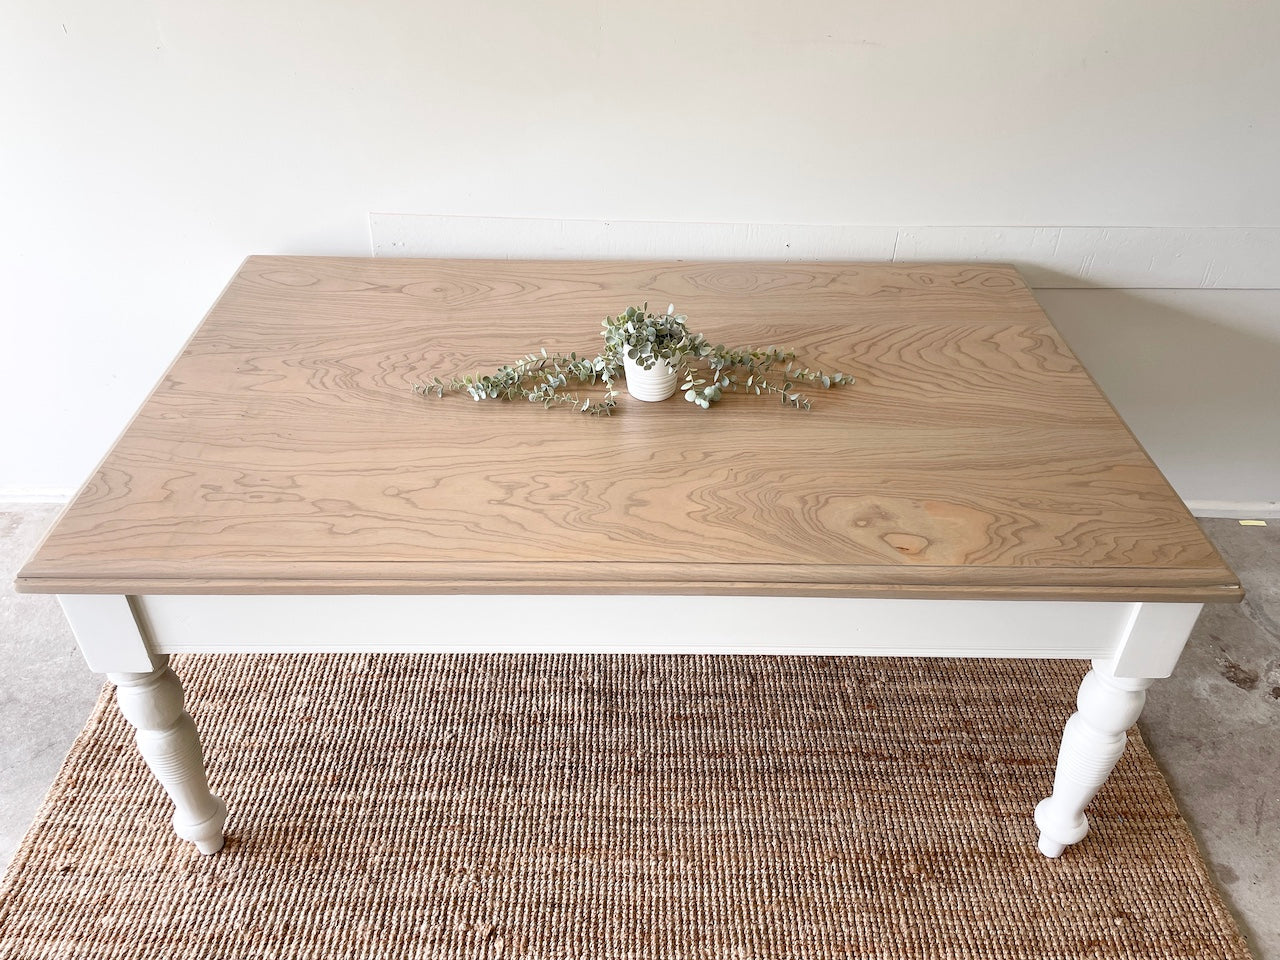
(1092, 743)
(168, 741)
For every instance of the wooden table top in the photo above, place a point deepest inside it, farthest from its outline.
(285, 451)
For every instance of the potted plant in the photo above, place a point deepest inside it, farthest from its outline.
(650, 346)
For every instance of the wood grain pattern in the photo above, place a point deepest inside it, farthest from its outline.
(284, 450)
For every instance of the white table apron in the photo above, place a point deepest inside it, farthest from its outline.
(1130, 644)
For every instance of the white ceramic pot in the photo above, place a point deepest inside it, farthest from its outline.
(656, 383)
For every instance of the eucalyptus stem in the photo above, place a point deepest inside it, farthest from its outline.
(706, 371)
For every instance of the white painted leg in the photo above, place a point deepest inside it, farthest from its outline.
(168, 741)
(1092, 743)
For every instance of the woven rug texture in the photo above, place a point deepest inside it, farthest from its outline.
(571, 806)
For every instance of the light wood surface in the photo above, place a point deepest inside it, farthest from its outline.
(284, 451)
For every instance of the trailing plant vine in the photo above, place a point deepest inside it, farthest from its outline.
(706, 371)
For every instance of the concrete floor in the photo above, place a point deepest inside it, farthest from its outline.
(1214, 726)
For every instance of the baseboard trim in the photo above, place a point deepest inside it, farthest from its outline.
(35, 494)
(1235, 510)
(1050, 257)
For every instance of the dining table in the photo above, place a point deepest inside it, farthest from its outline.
(289, 486)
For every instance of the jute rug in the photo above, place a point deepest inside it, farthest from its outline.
(557, 807)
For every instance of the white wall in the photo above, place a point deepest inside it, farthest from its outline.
(1196, 375)
(147, 147)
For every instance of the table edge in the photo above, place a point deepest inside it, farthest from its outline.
(1195, 593)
